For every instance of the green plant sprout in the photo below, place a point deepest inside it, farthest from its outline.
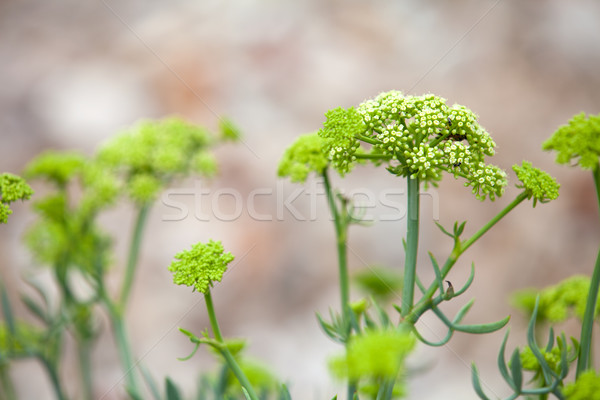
(418, 138)
(577, 143)
(139, 163)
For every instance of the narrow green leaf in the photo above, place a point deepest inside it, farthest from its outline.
(468, 283)
(35, 308)
(477, 383)
(482, 328)
(460, 229)
(438, 273)
(172, 390)
(191, 355)
(444, 231)
(463, 311)
(154, 390)
(550, 343)
(502, 367)
(383, 317)
(7, 310)
(516, 370)
(546, 370)
(564, 357)
(284, 393)
(442, 342)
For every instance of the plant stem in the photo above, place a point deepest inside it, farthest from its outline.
(458, 250)
(412, 244)
(341, 230)
(53, 374)
(83, 352)
(6, 384)
(229, 358)
(584, 361)
(118, 324)
(341, 234)
(134, 251)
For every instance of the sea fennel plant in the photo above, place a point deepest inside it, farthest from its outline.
(418, 138)
(139, 163)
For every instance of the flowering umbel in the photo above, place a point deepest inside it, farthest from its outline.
(12, 188)
(304, 156)
(200, 266)
(418, 137)
(579, 140)
(538, 184)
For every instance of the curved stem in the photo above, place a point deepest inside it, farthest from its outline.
(134, 251)
(584, 361)
(412, 245)
(229, 358)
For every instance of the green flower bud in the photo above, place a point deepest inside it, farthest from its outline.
(304, 156)
(200, 266)
(579, 140)
(586, 387)
(538, 184)
(374, 354)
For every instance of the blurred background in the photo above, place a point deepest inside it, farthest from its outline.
(74, 73)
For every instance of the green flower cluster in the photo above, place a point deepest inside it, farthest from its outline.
(22, 340)
(538, 184)
(200, 266)
(304, 156)
(374, 354)
(579, 140)
(66, 224)
(586, 387)
(418, 136)
(558, 302)
(154, 152)
(12, 188)
(530, 363)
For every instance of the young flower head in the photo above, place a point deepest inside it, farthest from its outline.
(12, 188)
(537, 184)
(154, 152)
(418, 136)
(558, 302)
(586, 387)
(374, 354)
(304, 156)
(579, 140)
(200, 266)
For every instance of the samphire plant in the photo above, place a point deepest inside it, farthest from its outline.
(415, 138)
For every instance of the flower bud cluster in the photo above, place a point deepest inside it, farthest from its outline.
(419, 136)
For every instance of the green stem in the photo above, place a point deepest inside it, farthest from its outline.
(412, 244)
(425, 302)
(83, 352)
(52, 370)
(341, 230)
(134, 252)
(8, 389)
(127, 360)
(341, 234)
(584, 361)
(229, 358)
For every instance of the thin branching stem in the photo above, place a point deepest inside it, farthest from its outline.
(229, 358)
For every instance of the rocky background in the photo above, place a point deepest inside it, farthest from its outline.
(75, 73)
